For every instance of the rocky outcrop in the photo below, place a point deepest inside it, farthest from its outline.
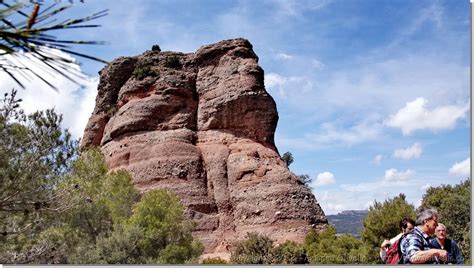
(202, 125)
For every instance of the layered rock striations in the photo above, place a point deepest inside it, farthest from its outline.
(202, 125)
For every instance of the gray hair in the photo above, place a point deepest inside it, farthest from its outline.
(423, 214)
(440, 225)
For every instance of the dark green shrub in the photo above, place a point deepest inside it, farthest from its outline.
(167, 234)
(289, 252)
(173, 62)
(256, 249)
(141, 71)
(287, 158)
(156, 48)
(143, 68)
(214, 261)
(111, 111)
(327, 248)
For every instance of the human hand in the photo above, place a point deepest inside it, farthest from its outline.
(385, 243)
(442, 254)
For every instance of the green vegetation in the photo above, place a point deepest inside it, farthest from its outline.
(453, 205)
(58, 207)
(173, 62)
(214, 261)
(319, 248)
(35, 153)
(289, 253)
(305, 179)
(260, 249)
(327, 248)
(156, 48)
(287, 158)
(255, 249)
(111, 110)
(382, 222)
(166, 233)
(142, 69)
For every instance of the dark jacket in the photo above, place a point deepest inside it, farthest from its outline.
(454, 254)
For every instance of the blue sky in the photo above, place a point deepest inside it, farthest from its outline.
(373, 96)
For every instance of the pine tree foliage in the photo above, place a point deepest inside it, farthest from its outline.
(382, 221)
(35, 153)
(27, 43)
(58, 207)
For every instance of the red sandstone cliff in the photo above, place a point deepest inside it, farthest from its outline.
(202, 125)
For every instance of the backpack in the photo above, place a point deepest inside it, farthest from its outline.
(394, 253)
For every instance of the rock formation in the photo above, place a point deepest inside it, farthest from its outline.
(202, 125)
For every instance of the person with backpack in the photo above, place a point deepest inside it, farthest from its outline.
(390, 250)
(416, 248)
(442, 242)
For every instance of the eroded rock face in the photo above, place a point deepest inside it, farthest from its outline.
(202, 126)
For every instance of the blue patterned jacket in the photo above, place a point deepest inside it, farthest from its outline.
(415, 241)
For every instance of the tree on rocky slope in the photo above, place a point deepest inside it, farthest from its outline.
(287, 158)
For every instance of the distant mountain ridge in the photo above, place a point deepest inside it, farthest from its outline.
(348, 221)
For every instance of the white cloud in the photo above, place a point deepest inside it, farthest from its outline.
(74, 102)
(317, 64)
(425, 187)
(356, 134)
(85, 107)
(395, 175)
(462, 169)
(324, 178)
(274, 80)
(375, 186)
(377, 160)
(295, 8)
(414, 116)
(282, 85)
(413, 152)
(332, 135)
(283, 56)
(383, 86)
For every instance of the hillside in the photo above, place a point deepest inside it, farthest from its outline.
(348, 221)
